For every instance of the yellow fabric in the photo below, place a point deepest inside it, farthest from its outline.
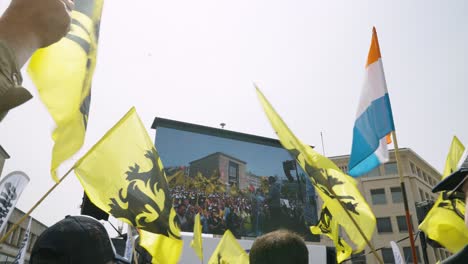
(62, 74)
(197, 243)
(453, 157)
(328, 180)
(123, 175)
(442, 223)
(329, 226)
(229, 251)
(164, 250)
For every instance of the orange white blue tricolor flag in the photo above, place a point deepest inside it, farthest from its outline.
(374, 119)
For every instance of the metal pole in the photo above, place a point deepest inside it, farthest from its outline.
(301, 197)
(405, 199)
(422, 238)
(323, 146)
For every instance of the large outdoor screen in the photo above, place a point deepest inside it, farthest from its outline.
(244, 183)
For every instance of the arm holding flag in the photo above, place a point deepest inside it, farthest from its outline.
(26, 26)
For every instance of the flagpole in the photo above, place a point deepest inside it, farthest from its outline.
(357, 226)
(405, 198)
(323, 146)
(15, 226)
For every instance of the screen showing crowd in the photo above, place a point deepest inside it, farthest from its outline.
(242, 185)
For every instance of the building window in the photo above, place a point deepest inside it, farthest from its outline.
(425, 177)
(421, 193)
(391, 168)
(436, 254)
(387, 256)
(374, 173)
(384, 225)
(409, 256)
(428, 196)
(378, 196)
(419, 172)
(413, 168)
(397, 196)
(401, 221)
(21, 233)
(32, 240)
(233, 173)
(359, 258)
(344, 169)
(13, 235)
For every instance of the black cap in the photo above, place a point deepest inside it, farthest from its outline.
(452, 182)
(75, 239)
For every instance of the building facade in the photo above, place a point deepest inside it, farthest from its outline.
(381, 188)
(3, 156)
(231, 170)
(9, 249)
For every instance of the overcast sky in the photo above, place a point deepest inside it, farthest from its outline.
(195, 61)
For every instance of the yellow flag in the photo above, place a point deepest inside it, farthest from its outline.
(123, 175)
(63, 73)
(453, 157)
(164, 250)
(329, 226)
(445, 221)
(196, 243)
(229, 251)
(330, 182)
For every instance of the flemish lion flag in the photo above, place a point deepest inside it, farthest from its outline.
(63, 74)
(123, 175)
(326, 176)
(445, 221)
(329, 226)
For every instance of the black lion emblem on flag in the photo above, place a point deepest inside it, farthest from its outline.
(146, 202)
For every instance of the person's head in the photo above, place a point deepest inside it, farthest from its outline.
(75, 239)
(271, 179)
(181, 209)
(280, 246)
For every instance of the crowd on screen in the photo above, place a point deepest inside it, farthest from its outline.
(247, 214)
(243, 214)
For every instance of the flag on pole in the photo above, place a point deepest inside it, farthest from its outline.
(62, 73)
(374, 119)
(445, 223)
(19, 259)
(229, 251)
(197, 242)
(330, 182)
(123, 175)
(11, 187)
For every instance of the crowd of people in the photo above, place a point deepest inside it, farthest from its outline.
(242, 214)
(250, 213)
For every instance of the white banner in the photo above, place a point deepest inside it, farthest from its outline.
(24, 246)
(396, 253)
(11, 187)
(132, 234)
